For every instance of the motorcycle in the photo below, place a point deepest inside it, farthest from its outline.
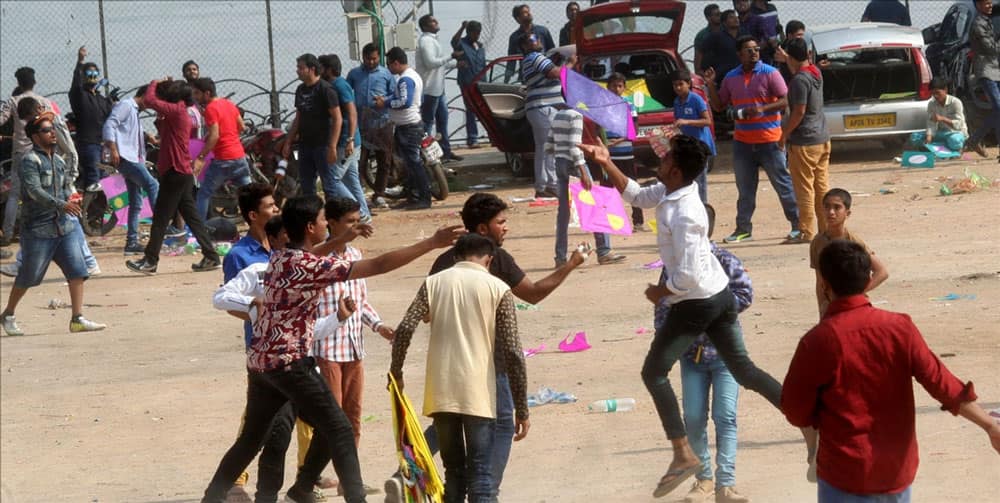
(263, 149)
(430, 155)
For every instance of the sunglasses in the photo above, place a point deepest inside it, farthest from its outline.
(93, 73)
(46, 130)
(749, 50)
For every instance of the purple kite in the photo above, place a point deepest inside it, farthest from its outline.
(600, 209)
(596, 103)
(117, 193)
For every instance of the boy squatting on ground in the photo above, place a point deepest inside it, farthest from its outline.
(701, 370)
(837, 205)
(697, 292)
(852, 379)
(945, 119)
(472, 316)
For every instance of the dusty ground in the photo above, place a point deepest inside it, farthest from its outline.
(144, 411)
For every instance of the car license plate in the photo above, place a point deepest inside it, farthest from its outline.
(433, 152)
(869, 121)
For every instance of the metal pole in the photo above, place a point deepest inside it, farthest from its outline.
(430, 6)
(104, 44)
(275, 114)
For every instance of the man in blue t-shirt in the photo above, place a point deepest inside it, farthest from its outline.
(348, 181)
(692, 118)
(471, 56)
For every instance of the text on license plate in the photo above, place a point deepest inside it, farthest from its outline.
(433, 152)
(869, 121)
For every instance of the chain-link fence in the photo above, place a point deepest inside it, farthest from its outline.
(134, 42)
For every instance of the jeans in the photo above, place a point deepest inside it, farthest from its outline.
(992, 121)
(747, 158)
(434, 109)
(217, 173)
(540, 119)
(137, 179)
(10, 210)
(810, 169)
(503, 432)
(471, 126)
(312, 163)
(88, 256)
(38, 252)
(466, 444)
(696, 381)
(407, 143)
(830, 494)
(271, 465)
(267, 393)
(702, 180)
(602, 240)
(347, 181)
(176, 194)
(716, 317)
(90, 156)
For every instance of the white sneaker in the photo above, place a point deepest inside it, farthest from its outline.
(394, 490)
(9, 270)
(10, 325)
(82, 324)
(94, 271)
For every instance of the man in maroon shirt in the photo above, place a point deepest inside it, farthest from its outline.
(851, 378)
(176, 178)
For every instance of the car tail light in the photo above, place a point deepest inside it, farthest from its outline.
(924, 92)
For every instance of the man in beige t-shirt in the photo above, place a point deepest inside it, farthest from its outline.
(471, 312)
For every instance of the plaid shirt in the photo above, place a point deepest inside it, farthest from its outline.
(346, 343)
(283, 332)
(702, 349)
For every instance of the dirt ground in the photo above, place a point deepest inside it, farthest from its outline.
(143, 411)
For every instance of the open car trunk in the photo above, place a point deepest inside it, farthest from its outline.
(646, 74)
(870, 74)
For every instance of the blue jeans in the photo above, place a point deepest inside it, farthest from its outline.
(90, 156)
(747, 158)
(830, 494)
(137, 179)
(471, 127)
(992, 90)
(715, 317)
(540, 119)
(434, 109)
(347, 181)
(702, 180)
(602, 241)
(217, 173)
(696, 380)
(38, 252)
(407, 143)
(466, 446)
(312, 163)
(78, 236)
(503, 432)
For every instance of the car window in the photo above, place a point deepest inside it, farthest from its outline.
(627, 24)
(955, 25)
(504, 72)
(869, 56)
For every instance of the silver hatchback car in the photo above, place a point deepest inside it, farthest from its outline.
(876, 80)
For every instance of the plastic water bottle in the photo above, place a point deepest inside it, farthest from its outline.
(612, 405)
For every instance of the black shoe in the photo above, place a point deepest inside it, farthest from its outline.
(134, 248)
(453, 157)
(417, 205)
(297, 495)
(141, 266)
(174, 232)
(206, 264)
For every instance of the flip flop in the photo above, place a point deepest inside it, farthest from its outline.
(680, 475)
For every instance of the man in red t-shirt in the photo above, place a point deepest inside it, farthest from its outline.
(224, 124)
(852, 379)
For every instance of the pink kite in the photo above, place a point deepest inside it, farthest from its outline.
(574, 343)
(194, 146)
(601, 210)
(117, 193)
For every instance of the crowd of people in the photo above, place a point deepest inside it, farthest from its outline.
(298, 284)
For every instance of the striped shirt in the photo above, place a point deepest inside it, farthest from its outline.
(346, 343)
(542, 91)
(759, 87)
(702, 349)
(564, 136)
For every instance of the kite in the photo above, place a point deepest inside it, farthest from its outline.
(421, 482)
(117, 193)
(600, 209)
(601, 106)
(194, 147)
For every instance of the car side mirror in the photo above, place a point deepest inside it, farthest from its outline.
(931, 34)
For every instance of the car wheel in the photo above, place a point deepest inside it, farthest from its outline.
(519, 166)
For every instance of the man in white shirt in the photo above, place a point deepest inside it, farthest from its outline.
(697, 291)
(432, 64)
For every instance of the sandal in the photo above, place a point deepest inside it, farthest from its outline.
(679, 475)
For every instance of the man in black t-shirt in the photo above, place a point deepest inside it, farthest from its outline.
(316, 127)
(486, 214)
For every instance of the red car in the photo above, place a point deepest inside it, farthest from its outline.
(639, 40)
